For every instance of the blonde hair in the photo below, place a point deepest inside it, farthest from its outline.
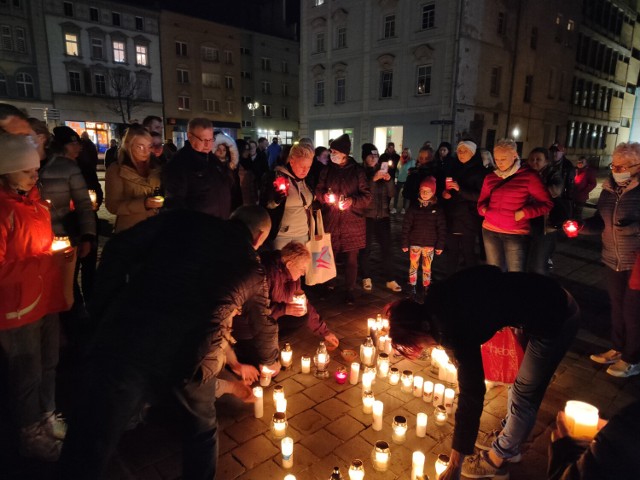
(629, 152)
(506, 143)
(300, 150)
(294, 251)
(135, 130)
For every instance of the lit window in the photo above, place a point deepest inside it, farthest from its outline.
(118, 52)
(386, 84)
(423, 80)
(71, 44)
(317, 3)
(142, 55)
(428, 16)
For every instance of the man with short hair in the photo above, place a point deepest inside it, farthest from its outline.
(153, 123)
(273, 153)
(111, 155)
(14, 121)
(166, 294)
(390, 155)
(195, 179)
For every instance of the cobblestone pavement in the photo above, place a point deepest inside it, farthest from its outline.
(325, 419)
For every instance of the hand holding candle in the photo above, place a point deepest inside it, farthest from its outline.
(571, 228)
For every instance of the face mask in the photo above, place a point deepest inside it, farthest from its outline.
(621, 177)
(336, 158)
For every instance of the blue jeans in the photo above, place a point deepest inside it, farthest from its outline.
(541, 358)
(29, 356)
(505, 250)
(111, 395)
(540, 251)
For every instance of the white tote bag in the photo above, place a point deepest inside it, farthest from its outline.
(323, 263)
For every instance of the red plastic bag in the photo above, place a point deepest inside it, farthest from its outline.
(634, 278)
(502, 356)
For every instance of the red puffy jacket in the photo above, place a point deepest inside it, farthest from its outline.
(30, 280)
(525, 191)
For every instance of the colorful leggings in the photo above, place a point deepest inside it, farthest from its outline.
(414, 258)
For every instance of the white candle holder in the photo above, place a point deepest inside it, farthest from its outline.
(383, 365)
(449, 397)
(427, 391)
(279, 425)
(286, 356)
(286, 445)
(356, 470)
(305, 364)
(378, 409)
(394, 376)
(582, 419)
(381, 456)
(354, 373)
(367, 402)
(438, 394)
(399, 429)
(417, 386)
(321, 361)
(421, 424)
(367, 352)
(417, 465)
(406, 381)
(440, 415)
(265, 377)
(442, 463)
(258, 405)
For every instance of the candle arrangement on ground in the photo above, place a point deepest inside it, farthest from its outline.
(399, 429)
(321, 360)
(305, 364)
(356, 470)
(341, 376)
(279, 425)
(286, 356)
(441, 464)
(286, 445)
(381, 456)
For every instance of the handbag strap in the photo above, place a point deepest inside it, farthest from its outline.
(320, 222)
(501, 183)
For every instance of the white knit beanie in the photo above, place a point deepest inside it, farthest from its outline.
(470, 145)
(17, 153)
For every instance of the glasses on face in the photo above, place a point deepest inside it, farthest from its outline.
(203, 140)
(143, 148)
(622, 168)
(157, 146)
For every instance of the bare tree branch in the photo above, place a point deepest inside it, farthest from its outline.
(125, 93)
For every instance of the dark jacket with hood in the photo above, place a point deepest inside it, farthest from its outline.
(382, 191)
(461, 209)
(424, 226)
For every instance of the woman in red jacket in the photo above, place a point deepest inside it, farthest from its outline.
(510, 196)
(30, 289)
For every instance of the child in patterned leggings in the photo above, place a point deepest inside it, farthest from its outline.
(423, 233)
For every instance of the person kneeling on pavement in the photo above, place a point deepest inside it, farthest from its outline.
(465, 311)
(283, 269)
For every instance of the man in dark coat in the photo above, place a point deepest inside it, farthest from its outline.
(166, 294)
(465, 311)
(195, 179)
(425, 167)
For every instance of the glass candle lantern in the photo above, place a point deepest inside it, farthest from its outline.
(305, 364)
(300, 298)
(341, 376)
(286, 445)
(406, 381)
(321, 360)
(60, 243)
(440, 415)
(417, 465)
(367, 378)
(381, 456)
(441, 464)
(279, 425)
(286, 356)
(278, 393)
(367, 401)
(438, 356)
(394, 376)
(290, 476)
(383, 365)
(356, 470)
(382, 343)
(367, 352)
(399, 429)
(582, 419)
(385, 324)
(371, 327)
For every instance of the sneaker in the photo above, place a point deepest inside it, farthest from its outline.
(623, 369)
(485, 441)
(393, 211)
(367, 284)
(393, 286)
(479, 466)
(349, 298)
(607, 358)
(36, 443)
(54, 425)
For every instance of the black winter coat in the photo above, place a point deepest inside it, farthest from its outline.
(424, 226)
(411, 190)
(382, 191)
(462, 208)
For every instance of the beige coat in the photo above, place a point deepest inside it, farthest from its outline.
(125, 193)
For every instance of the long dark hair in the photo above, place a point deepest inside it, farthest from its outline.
(407, 323)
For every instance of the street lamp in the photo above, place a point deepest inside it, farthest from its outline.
(516, 133)
(253, 106)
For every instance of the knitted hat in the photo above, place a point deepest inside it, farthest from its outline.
(341, 144)
(369, 149)
(428, 182)
(18, 153)
(470, 145)
(63, 135)
(446, 145)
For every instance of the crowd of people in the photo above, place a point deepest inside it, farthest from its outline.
(151, 320)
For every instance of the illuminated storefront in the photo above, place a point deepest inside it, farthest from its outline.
(99, 133)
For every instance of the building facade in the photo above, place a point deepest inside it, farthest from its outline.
(431, 70)
(105, 65)
(25, 80)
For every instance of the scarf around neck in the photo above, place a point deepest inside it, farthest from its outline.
(514, 168)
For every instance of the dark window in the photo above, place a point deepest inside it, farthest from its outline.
(428, 16)
(533, 40)
(340, 90)
(389, 26)
(423, 80)
(181, 49)
(502, 24)
(115, 18)
(74, 82)
(3, 85)
(94, 14)
(386, 84)
(528, 88)
(319, 93)
(139, 23)
(101, 84)
(68, 9)
(494, 87)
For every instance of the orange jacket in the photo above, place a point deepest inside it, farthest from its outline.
(30, 280)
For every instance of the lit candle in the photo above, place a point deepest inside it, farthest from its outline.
(421, 424)
(582, 419)
(449, 395)
(385, 325)
(286, 444)
(367, 352)
(440, 415)
(367, 378)
(390, 163)
(399, 429)
(286, 356)
(427, 391)
(394, 376)
(93, 196)
(382, 343)
(355, 372)
(441, 464)
(321, 360)
(381, 456)
(367, 401)
(265, 377)
(305, 363)
(278, 393)
(571, 228)
(417, 466)
(290, 477)
(383, 365)
(341, 375)
(452, 374)
(378, 408)
(281, 405)
(332, 197)
(258, 406)
(279, 424)
(443, 374)
(417, 386)
(438, 394)
(300, 298)
(371, 326)
(356, 470)
(60, 243)
(407, 381)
